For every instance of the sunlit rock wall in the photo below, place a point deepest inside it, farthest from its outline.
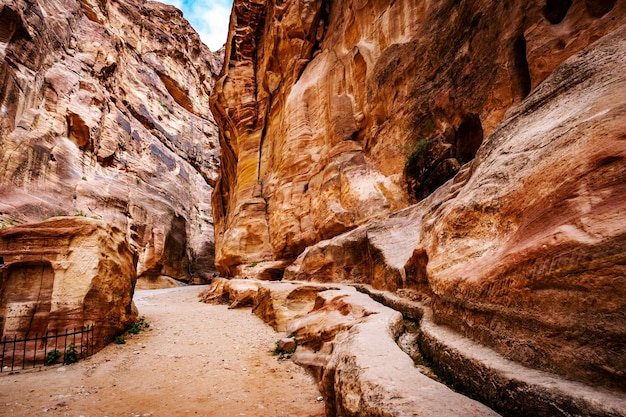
(525, 249)
(333, 114)
(104, 112)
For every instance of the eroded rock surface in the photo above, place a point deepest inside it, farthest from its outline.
(349, 341)
(335, 113)
(525, 249)
(66, 273)
(104, 112)
(351, 344)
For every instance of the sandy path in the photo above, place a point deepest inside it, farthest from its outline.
(196, 359)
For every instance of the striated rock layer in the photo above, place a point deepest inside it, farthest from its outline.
(525, 249)
(104, 113)
(66, 273)
(333, 114)
(352, 345)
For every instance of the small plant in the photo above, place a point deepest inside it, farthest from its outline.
(282, 353)
(80, 213)
(138, 326)
(253, 264)
(52, 357)
(71, 355)
(119, 340)
(165, 106)
(417, 151)
(6, 224)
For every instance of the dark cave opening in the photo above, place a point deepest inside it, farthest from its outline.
(469, 137)
(556, 10)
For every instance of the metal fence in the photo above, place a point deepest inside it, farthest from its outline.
(48, 349)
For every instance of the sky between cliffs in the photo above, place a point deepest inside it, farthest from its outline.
(208, 17)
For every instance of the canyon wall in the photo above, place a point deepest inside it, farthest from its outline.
(104, 112)
(525, 249)
(467, 154)
(336, 113)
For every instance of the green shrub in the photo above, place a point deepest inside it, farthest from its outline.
(71, 355)
(283, 354)
(138, 326)
(52, 357)
(119, 340)
(417, 150)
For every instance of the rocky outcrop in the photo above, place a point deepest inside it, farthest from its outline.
(334, 114)
(524, 250)
(351, 344)
(66, 273)
(104, 113)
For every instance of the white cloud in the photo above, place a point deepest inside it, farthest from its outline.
(208, 17)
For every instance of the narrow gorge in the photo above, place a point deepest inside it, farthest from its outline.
(392, 184)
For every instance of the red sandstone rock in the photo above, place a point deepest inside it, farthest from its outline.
(349, 342)
(337, 113)
(66, 273)
(104, 112)
(524, 249)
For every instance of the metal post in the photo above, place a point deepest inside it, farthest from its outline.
(74, 338)
(24, 352)
(13, 357)
(45, 349)
(35, 349)
(64, 346)
(82, 332)
(4, 345)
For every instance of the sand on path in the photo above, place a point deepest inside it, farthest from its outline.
(195, 359)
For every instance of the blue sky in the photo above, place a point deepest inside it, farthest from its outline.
(208, 17)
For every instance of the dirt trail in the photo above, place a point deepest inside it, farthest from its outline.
(196, 359)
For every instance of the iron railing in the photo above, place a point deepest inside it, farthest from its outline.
(48, 349)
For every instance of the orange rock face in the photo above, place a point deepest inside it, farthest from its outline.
(66, 273)
(351, 111)
(337, 113)
(104, 113)
(524, 250)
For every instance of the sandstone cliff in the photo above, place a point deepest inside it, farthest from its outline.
(335, 113)
(104, 113)
(336, 116)
(525, 249)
